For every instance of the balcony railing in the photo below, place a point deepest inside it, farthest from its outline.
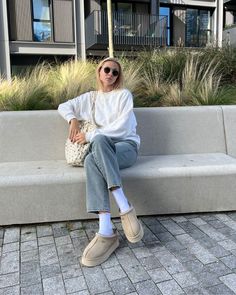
(129, 30)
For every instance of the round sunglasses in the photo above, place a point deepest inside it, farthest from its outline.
(107, 70)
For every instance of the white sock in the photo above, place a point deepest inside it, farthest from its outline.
(121, 199)
(105, 224)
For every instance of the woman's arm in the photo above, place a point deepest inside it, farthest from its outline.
(70, 111)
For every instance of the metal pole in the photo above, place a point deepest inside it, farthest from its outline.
(110, 29)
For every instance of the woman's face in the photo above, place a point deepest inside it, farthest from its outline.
(108, 74)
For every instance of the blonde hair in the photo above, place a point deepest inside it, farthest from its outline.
(119, 81)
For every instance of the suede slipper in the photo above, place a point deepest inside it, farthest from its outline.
(99, 249)
(131, 225)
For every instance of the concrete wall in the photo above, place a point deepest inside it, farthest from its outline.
(63, 30)
(229, 37)
(229, 18)
(95, 5)
(20, 20)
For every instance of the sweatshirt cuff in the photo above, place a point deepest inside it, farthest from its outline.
(69, 118)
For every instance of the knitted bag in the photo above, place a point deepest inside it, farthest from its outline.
(75, 153)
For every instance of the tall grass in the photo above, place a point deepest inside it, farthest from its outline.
(199, 84)
(132, 75)
(226, 60)
(170, 63)
(26, 93)
(156, 78)
(70, 80)
(183, 77)
(160, 70)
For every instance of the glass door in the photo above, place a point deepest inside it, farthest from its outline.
(204, 27)
(198, 27)
(165, 11)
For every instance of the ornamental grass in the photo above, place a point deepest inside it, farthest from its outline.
(167, 77)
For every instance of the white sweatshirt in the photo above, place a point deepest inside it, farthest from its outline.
(113, 113)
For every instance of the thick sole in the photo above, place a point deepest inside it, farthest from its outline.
(99, 260)
(138, 237)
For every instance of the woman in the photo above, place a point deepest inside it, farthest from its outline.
(114, 146)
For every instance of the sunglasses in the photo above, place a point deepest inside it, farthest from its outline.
(107, 70)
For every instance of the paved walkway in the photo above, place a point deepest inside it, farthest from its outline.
(183, 254)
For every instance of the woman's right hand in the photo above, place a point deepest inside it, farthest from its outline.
(74, 129)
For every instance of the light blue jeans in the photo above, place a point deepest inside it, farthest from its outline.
(102, 165)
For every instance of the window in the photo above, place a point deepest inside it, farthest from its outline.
(124, 7)
(198, 27)
(129, 18)
(165, 11)
(124, 16)
(42, 25)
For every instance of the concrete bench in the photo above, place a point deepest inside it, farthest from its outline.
(186, 164)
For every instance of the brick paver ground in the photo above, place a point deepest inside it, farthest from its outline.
(179, 254)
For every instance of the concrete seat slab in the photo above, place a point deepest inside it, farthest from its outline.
(162, 165)
(34, 191)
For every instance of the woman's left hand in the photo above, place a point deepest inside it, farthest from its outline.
(80, 138)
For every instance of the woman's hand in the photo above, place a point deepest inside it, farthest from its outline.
(80, 138)
(74, 129)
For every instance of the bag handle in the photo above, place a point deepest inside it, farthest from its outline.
(93, 97)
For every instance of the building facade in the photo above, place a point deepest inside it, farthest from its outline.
(57, 30)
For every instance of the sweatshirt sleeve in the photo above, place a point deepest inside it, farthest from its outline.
(71, 109)
(123, 125)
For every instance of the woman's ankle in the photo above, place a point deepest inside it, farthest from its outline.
(105, 224)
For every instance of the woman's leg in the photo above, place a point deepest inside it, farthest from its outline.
(103, 166)
(126, 156)
(110, 157)
(105, 242)
(97, 194)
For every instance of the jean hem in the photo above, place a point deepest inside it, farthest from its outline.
(114, 185)
(96, 211)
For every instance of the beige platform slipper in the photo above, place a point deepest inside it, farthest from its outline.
(99, 249)
(131, 225)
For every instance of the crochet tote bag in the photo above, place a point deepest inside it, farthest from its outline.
(75, 153)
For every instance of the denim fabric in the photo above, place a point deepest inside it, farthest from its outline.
(102, 165)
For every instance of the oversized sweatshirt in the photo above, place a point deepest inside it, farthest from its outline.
(113, 114)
